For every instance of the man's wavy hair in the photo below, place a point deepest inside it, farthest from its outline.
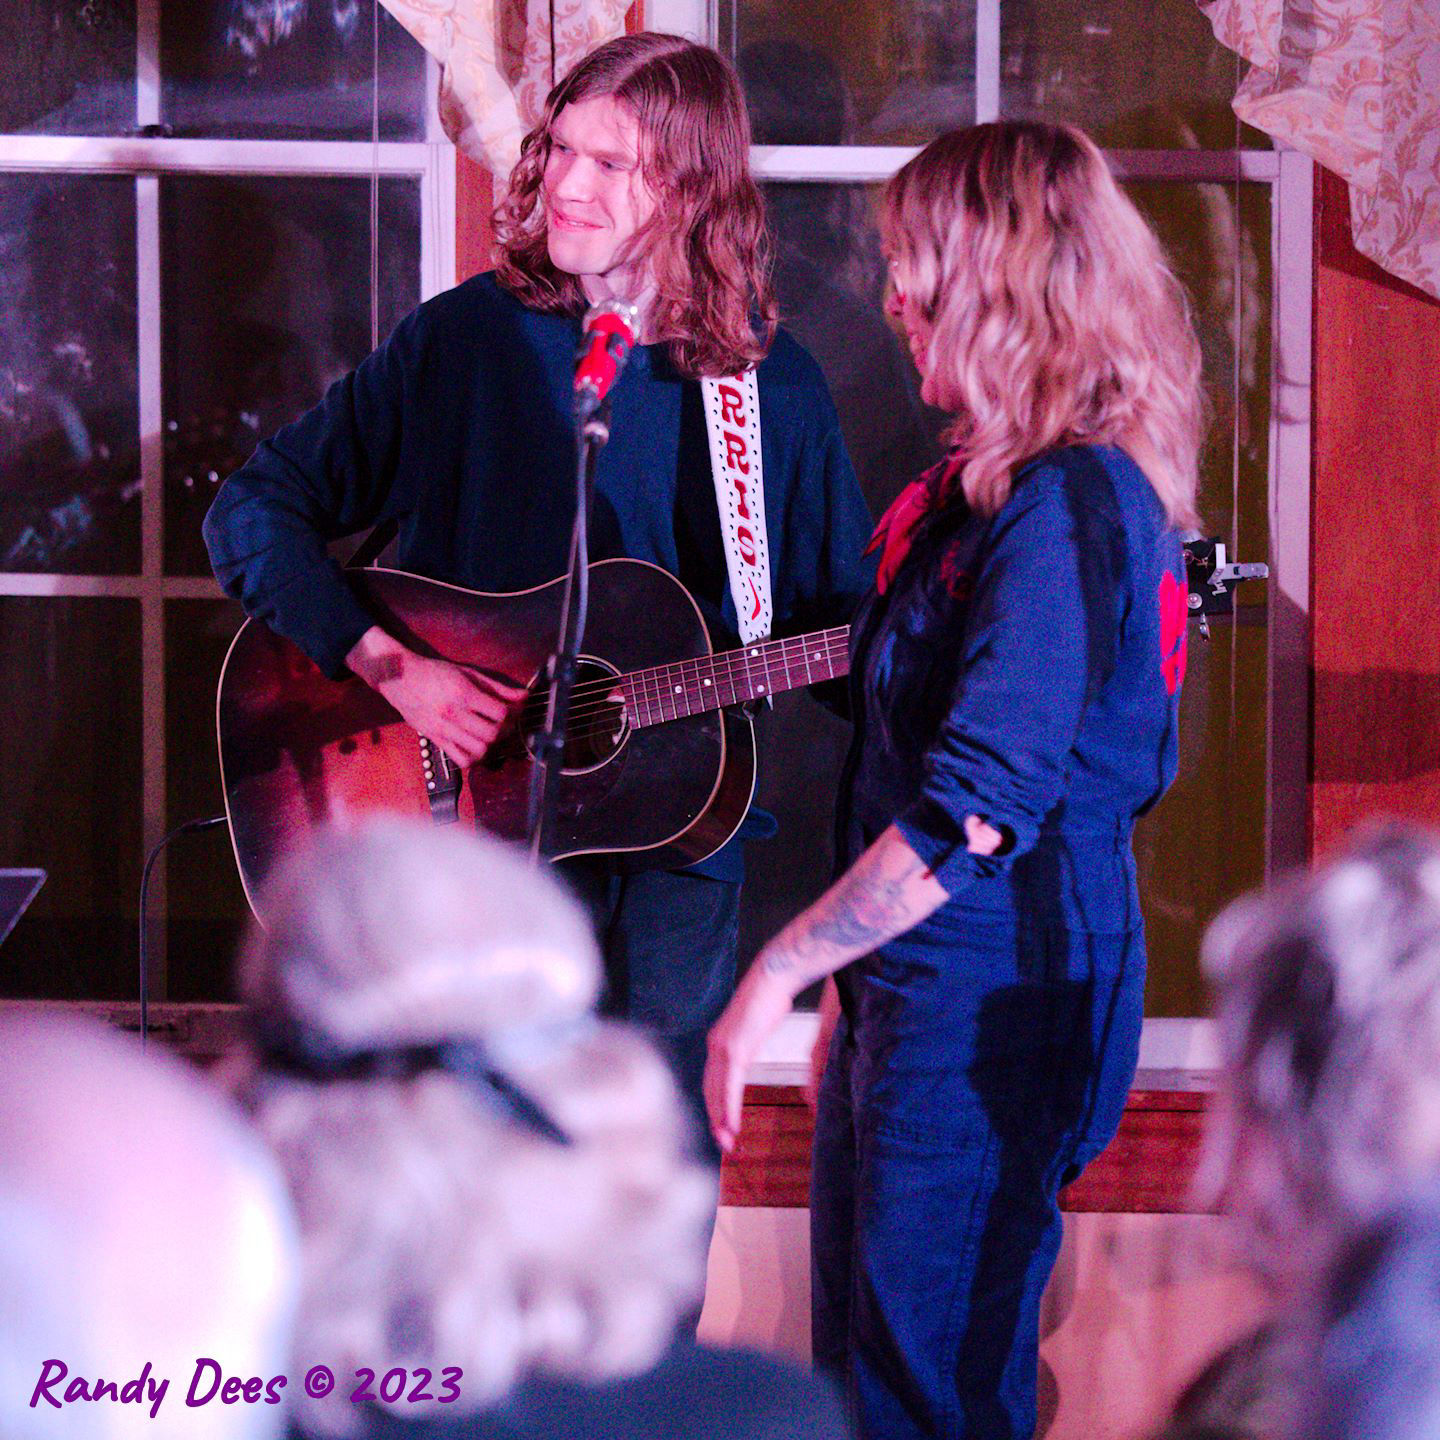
(1056, 320)
(707, 243)
(1328, 1012)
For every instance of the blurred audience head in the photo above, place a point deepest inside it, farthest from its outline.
(1040, 308)
(140, 1222)
(1375, 1370)
(1328, 1009)
(486, 1175)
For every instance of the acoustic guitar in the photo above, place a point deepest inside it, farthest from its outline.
(659, 763)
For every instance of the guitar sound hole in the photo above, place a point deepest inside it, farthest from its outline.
(597, 726)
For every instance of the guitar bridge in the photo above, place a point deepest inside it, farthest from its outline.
(442, 783)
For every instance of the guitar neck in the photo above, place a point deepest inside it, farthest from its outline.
(688, 687)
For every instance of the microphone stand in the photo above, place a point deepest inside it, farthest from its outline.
(593, 432)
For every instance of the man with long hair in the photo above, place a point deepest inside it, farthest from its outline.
(633, 185)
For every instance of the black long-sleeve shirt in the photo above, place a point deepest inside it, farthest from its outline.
(459, 427)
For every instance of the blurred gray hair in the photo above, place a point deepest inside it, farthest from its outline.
(1373, 1327)
(435, 1229)
(1328, 1007)
(399, 933)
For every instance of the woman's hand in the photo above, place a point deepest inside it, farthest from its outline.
(884, 893)
(762, 1000)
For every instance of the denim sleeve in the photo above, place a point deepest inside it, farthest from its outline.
(1040, 639)
(328, 474)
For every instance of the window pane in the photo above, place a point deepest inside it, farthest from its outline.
(67, 68)
(1204, 845)
(276, 69)
(266, 300)
(70, 797)
(853, 72)
(1136, 74)
(830, 275)
(207, 909)
(69, 454)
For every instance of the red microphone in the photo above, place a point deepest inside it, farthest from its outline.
(606, 339)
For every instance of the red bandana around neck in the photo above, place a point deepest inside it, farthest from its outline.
(900, 523)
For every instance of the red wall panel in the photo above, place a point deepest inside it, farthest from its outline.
(1375, 537)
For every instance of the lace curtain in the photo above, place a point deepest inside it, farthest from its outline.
(499, 59)
(1355, 84)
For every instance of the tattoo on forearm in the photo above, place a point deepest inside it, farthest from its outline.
(864, 913)
(868, 906)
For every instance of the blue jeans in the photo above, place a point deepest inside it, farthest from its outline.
(668, 939)
(980, 1063)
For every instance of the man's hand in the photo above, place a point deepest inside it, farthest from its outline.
(459, 709)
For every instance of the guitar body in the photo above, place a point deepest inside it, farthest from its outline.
(299, 751)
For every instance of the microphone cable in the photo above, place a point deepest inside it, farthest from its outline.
(189, 827)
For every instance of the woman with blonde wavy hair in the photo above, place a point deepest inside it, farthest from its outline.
(501, 1224)
(1015, 682)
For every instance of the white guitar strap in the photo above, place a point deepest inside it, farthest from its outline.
(732, 420)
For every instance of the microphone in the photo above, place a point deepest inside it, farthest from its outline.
(606, 338)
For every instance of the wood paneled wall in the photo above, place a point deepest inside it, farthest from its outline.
(474, 229)
(1375, 528)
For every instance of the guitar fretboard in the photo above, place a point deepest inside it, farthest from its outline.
(688, 687)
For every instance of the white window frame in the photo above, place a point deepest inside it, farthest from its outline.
(431, 161)
(1290, 176)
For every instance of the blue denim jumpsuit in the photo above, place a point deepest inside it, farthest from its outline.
(1025, 669)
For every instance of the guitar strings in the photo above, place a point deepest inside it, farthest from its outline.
(654, 693)
(732, 669)
(828, 640)
(603, 720)
(830, 645)
(653, 702)
(625, 717)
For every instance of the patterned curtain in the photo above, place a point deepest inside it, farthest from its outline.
(1356, 85)
(499, 59)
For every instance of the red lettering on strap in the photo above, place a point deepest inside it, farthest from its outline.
(730, 401)
(742, 508)
(747, 545)
(737, 453)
